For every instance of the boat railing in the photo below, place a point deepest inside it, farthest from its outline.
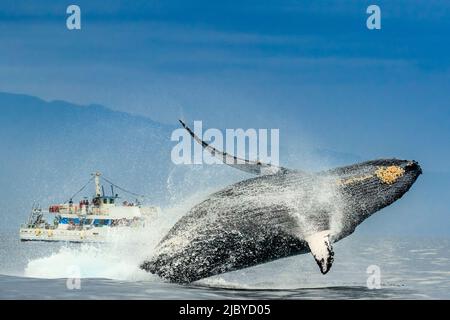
(34, 226)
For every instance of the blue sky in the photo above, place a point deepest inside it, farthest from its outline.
(310, 68)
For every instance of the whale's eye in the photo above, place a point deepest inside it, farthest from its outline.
(389, 174)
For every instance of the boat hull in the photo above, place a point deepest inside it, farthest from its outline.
(37, 234)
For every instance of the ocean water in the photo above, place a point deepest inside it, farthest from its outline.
(409, 268)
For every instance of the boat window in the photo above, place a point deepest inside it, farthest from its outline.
(111, 201)
(105, 201)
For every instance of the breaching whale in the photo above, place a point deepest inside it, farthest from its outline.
(279, 213)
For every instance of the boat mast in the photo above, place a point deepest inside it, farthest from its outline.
(97, 184)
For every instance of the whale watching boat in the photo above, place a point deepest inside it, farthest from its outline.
(87, 220)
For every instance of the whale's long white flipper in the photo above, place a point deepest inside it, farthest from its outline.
(320, 246)
(255, 167)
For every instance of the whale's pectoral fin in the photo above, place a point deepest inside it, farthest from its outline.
(255, 167)
(320, 246)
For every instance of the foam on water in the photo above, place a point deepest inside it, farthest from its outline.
(117, 259)
(121, 256)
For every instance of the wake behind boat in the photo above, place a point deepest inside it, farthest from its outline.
(86, 221)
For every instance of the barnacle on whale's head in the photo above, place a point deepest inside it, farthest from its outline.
(390, 174)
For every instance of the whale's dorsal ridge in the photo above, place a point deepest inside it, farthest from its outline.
(320, 245)
(254, 167)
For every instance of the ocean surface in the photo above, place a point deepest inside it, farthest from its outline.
(408, 268)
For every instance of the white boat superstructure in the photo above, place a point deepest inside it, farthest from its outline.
(86, 221)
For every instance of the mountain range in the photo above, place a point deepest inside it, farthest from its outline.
(49, 149)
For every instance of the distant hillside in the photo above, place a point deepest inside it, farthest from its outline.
(50, 148)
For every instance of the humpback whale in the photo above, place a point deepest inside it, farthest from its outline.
(278, 213)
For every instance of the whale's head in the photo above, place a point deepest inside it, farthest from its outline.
(370, 186)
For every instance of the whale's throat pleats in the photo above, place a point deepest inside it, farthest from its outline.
(320, 245)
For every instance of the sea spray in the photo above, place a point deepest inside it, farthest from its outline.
(121, 255)
(118, 258)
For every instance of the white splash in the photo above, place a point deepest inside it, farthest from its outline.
(117, 259)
